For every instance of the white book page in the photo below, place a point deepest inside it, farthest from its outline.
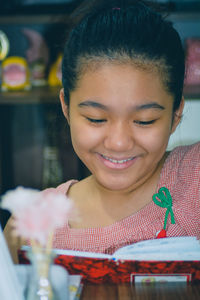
(178, 256)
(173, 248)
(172, 244)
(10, 287)
(82, 253)
(75, 253)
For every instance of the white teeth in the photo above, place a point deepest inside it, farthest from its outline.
(117, 161)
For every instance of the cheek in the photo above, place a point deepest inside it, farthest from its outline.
(156, 140)
(84, 138)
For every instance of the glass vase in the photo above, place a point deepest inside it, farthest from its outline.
(39, 284)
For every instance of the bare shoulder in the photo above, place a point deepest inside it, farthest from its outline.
(79, 189)
(82, 198)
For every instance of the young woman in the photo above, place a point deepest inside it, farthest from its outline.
(123, 73)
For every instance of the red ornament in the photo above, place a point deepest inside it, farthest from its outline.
(161, 234)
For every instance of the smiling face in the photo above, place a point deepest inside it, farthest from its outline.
(120, 120)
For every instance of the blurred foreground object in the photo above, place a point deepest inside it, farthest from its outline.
(35, 217)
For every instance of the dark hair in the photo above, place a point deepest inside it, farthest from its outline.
(123, 31)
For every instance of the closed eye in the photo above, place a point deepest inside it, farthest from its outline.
(97, 121)
(143, 123)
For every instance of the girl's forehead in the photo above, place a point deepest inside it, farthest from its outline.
(96, 74)
(119, 83)
(138, 64)
(107, 72)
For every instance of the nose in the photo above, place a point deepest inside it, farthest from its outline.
(119, 137)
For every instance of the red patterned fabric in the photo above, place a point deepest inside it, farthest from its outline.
(181, 175)
(104, 270)
(96, 270)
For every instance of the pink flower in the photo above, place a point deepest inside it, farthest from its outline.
(15, 200)
(36, 213)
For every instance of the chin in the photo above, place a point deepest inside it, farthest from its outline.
(115, 185)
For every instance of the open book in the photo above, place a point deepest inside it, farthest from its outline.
(168, 259)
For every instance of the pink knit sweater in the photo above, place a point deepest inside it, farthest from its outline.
(181, 175)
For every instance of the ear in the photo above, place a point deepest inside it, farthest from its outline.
(64, 106)
(178, 115)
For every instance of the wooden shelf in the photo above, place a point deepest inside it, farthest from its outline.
(48, 95)
(184, 16)
(34, 13)
(34, 19)
(63, 18)
(44, 95)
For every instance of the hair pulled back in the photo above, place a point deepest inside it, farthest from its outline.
(123, 31)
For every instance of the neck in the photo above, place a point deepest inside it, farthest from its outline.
(136, 196)
(102, 207)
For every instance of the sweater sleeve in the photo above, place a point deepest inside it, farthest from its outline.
(62, 188)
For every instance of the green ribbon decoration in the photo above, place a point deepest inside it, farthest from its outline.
(165, 201)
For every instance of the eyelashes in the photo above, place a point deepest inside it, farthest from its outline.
(97, 121)
(142, 123)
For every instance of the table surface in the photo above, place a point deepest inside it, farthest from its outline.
(156, 291)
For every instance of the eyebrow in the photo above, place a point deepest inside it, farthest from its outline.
(151, 105)
(90, 103)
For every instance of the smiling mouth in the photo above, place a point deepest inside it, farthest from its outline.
(117, 161)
